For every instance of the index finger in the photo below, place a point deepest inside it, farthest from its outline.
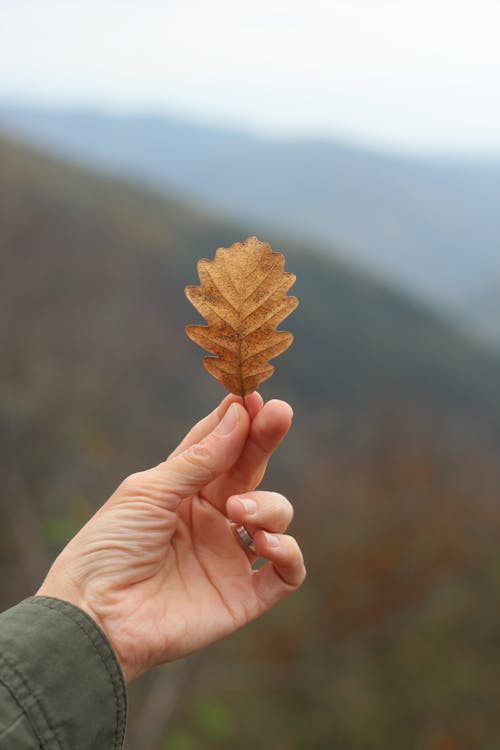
(253, 403)
(267, 430)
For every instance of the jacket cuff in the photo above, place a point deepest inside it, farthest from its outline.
(62, 671)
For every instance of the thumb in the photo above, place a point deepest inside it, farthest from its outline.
(188, 472)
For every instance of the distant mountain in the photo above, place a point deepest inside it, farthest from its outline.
(97, 270)
(431, 226)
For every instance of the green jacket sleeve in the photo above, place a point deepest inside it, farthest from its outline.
(61, 687)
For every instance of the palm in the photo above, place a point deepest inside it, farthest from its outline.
(160, 567)
(210, 578)
(200, 583)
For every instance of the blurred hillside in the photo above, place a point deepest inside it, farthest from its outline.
(431, 226)
(482, 314)
(391, 463)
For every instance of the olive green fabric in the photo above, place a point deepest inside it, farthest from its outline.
(61, 687)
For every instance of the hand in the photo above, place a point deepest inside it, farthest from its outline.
(159, 567)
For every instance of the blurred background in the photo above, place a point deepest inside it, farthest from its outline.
(362, 139)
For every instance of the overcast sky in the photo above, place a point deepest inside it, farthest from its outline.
(400, 74)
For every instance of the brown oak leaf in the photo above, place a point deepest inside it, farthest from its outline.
(242, 296)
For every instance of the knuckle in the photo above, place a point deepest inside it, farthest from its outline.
(132, 483)
(198, 454)
(198, 460)
(282, 507)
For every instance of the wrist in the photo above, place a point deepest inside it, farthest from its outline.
(61, 584)
(66, 593)
(58, 585)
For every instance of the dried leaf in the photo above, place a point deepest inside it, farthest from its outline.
(243, 298)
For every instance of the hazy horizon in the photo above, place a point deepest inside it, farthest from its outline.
(342, 141)
(399, 77)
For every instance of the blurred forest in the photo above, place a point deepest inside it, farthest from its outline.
(392, 464)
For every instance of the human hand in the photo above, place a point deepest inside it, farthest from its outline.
(159, 567)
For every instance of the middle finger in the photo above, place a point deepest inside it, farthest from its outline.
(267, 430)
(260, 510)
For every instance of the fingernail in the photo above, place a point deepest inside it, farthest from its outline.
(249, 505)
(272, 539)
(228, 422)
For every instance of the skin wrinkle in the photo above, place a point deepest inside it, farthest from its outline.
(193, 455)
(197, 456)
(154, 492)
(206, 569)
(161, 570)
(180, 568)
(219, 593)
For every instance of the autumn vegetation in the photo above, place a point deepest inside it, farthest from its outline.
(392, 463)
